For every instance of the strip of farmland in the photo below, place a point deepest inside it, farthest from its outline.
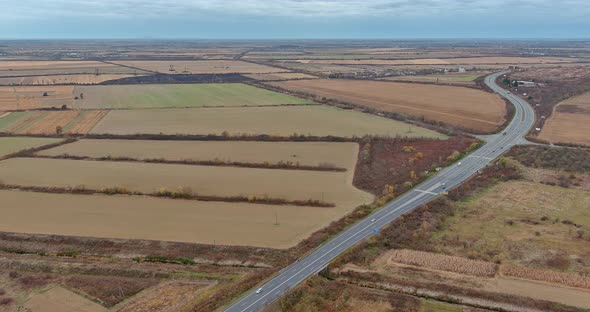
(10, 145)
(328, 154)
(332, 187)
(176, 220)
(458, 106)
(281, 121)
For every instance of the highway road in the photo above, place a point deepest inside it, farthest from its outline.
(446, 179)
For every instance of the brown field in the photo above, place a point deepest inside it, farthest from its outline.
(59, 299)
(461, 79)
(87, 121)
(20, 98)
(305, 153)
(280, 76)
(10, 145)
(201, 67)
(464, 107)
(567, 279)
(570, 122)
(283, 121)
(442, 262)
(438, 61)
(62, 79)
(176, 220)
(49, 123)
(168, 297)
(28, 68)
(335, 187)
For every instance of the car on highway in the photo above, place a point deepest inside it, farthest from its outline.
(459, 164)
(373, 220)
(259, 290)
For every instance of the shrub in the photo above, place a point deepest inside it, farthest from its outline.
(567, 279)
(444, 263)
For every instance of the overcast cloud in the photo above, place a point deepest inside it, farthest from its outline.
(368, 18)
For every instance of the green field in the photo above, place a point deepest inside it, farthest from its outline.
(178, 96)
(9, 120)
(11, 145)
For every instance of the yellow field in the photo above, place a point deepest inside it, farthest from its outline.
(305, 153)
(19, 98)
(201, 67)
(282, 121)
(175, 220)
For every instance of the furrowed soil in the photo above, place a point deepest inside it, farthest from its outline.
(201, 67)
(570, 122)
(283, 121)
(178, 95)
(304, 153)
(176, 220)
(465, 107)
(10, 145)
(335, 187)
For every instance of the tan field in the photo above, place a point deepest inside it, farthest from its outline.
(570, 122)
(282, 121)
(19, 98)
(201, 67)
(451, 61)
(333, 187)
(305, 153)
(168, 297)
(9, 145)
(461, 79)
(63, 79)
(459, 106)
(176, 220)
(280, 76)
(59, 299)
(85, 121)
(24, 68)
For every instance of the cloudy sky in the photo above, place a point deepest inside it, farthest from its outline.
(254, 19)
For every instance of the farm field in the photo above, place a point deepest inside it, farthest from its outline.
(334, 187)
(176, 293)
(201, 67)
(455, 79)
(280, 76)
(29, 68)
(10, 145)
(178, 95)
(570, 122)
(40, 122)
(442, 61)
(22, 98)
(176, 220)
(56, 299)
(458, 106)
(340, 155)
(62, 79)
(514, 212)
(283, 121)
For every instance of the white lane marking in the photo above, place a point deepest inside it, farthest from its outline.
(427, 192)
(411, 200)
(488, 158)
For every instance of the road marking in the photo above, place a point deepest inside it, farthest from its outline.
(427, 192)
(488, 158)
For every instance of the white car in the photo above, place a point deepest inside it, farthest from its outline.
(373, 220)
(259, 290)
(459, 164)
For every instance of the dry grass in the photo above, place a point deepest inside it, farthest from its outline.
(304, 153)
(279, 76)
(567, 279)
(49, 123)
(459, 106)
(168, 297)
(58, 299)
(10, 145)
(443, 262)
(451, 61)
(570, 122)
(109, 290)
(86, 122)
(28, 68)
(283, 121)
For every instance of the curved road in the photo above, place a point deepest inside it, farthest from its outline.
(447, 178)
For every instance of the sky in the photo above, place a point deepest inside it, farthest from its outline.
(293, 19)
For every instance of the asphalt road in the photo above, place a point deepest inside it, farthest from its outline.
(446, 179)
